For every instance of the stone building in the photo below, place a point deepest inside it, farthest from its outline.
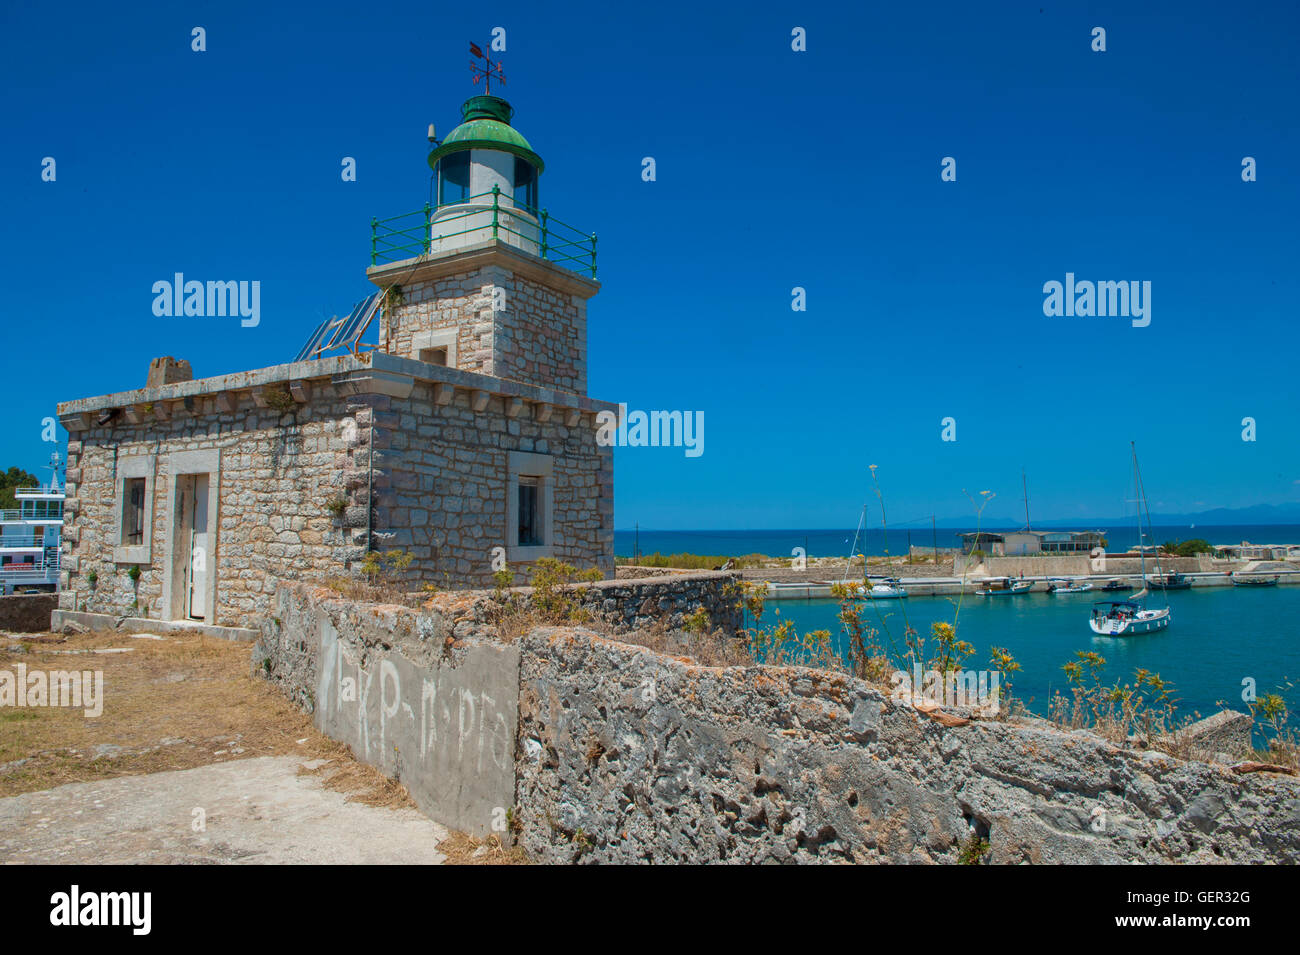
(466, 436)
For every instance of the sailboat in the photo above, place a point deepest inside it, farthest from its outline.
(884, 588)
(1131, 617)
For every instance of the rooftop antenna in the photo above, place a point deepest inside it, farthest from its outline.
(486, 70)
(53, 468)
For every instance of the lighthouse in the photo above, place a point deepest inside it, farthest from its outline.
(485, 181)
(485, 279)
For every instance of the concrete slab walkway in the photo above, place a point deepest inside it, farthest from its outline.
(254, 811)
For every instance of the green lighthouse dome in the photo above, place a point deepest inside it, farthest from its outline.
(486, 125)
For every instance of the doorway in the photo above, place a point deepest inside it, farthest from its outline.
(193, 553)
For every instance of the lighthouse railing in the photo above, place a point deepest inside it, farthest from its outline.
(489, 215)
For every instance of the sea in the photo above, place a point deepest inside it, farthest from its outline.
(1225, 645)
(873, 541)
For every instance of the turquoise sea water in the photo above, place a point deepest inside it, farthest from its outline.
(1219, 636)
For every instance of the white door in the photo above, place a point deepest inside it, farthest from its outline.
(200, 553)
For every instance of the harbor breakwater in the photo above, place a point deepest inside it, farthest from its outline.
(583, 748)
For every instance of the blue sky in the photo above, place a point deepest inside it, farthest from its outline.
(775, 169)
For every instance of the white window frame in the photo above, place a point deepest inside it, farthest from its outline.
(443, 338)
(541, 466)
(132, 468)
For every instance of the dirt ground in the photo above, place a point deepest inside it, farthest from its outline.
(178, 702)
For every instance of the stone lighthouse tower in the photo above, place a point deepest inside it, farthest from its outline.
(484, 279)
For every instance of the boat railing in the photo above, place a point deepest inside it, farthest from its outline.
(43, 572)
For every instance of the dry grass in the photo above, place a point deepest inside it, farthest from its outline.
(462, 849)
(362, 782)
(178, 703)
(715, 649)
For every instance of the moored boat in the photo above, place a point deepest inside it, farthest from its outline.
(884, 588)
(1125, 618)
(1116, 586)
(1068, 585)
(1255, 581)
(1003, 586)
(1169, 581)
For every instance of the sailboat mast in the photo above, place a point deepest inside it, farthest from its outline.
(1137, 504)
(1142, 506)
(1024, 483)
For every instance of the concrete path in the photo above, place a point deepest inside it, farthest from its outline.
(257, 811)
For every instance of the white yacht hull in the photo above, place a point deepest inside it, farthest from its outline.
(1130, 625)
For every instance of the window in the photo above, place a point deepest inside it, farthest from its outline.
(453, 178)
(530, 533)
(132, 536)
(133, 513)
(530, 524)
(435, 347)
(525, 183)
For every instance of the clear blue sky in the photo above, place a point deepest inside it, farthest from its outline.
(775, 169)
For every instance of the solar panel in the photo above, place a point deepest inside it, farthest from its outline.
(355, 324)
(314, 342)
(341, 332)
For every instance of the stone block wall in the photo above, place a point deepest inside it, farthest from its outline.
(622, 754)
(630, 604)
(461, 303)
(537, 335)
(299, 492)
(626, 755)
(27, 613)
(431, 704)
(278, 474)
(443, 494)
(430, 695)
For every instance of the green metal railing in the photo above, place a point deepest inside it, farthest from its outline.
(409, 235)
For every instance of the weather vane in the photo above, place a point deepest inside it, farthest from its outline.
(486, 70)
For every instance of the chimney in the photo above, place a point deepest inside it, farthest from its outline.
(166, 371)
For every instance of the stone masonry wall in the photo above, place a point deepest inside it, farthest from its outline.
(622, 754)
(277, 475)
(538, 336)
(444, 492)
(462, 301)
(438, 480)
(630, 756)
(427, 696)
(27, 613)
(630, 604)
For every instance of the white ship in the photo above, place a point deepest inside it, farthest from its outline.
(29, 537)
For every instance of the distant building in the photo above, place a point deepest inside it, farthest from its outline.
(1026, 542)
(1248, 551)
